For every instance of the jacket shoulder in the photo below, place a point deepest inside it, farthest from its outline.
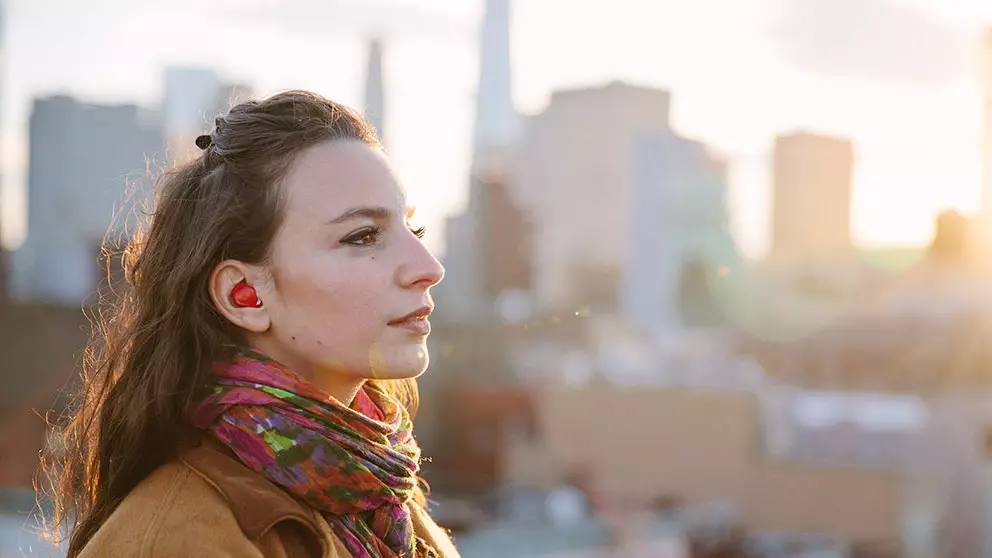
(172, 514)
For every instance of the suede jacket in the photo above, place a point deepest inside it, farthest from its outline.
(206, 503)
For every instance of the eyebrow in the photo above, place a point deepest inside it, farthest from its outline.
(375, 213)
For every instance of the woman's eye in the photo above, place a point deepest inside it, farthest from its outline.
(364, 237)
(419, 232)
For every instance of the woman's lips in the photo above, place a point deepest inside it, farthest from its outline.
(415, 321)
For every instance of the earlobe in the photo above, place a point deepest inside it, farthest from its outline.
(235, 297)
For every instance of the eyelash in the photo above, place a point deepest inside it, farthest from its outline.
(358, 238)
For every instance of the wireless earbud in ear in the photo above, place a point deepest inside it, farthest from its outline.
(244, 296)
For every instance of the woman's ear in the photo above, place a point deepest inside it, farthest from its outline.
(236, 297)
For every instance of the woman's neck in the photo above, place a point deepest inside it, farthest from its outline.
(342, 387)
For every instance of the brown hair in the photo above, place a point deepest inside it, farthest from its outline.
(156, 343)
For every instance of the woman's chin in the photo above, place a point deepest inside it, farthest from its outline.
(399, 363)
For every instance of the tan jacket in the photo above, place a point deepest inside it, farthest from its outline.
(207, 503)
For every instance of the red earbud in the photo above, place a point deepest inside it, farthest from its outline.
(245, 296)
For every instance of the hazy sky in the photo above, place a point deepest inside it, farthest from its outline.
(900, 77)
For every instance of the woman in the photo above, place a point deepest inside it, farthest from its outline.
(250, 393)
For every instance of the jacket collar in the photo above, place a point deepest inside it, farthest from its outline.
(257, 504)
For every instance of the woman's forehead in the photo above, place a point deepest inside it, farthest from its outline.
(334, 177)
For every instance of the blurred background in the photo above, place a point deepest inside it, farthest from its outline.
(719, 273)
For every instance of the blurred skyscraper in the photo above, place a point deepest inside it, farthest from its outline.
(473, 250)
(83, 160)
(193, 98)
(985, 225)
(811, 215)
(4, 269)
(680, 243)
(577, 178)
(375, 94)
(496, 119)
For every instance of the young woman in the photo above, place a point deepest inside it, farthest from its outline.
(251, 392)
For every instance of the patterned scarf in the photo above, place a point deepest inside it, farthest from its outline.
(357, 466)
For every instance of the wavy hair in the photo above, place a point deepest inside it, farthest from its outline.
(155, 343)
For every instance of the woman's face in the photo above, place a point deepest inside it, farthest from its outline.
(347, 289)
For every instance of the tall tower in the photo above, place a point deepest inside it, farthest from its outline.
(193, 97)
(576, 163)
(496, 120)
(189, 100)
(811, 207)
(86, 161)
(985, 227)
(466, 288)
(3, 252)
(375, 104)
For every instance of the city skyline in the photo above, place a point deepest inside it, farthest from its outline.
(907, 136)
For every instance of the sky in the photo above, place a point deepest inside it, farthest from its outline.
(898, 77)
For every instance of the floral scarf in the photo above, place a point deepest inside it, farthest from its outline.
(358, 466)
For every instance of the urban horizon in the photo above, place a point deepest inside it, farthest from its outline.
(942, 147)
